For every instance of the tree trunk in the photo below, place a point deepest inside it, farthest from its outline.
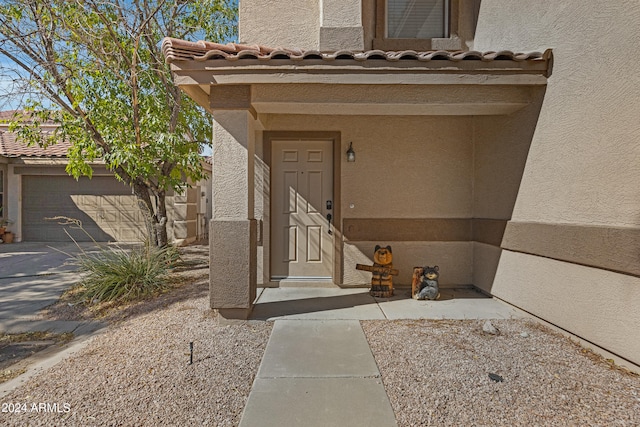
(155, 217)
(161, 220)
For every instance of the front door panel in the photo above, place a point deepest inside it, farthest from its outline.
(301, 186)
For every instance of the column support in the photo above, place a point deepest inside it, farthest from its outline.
(233, 230)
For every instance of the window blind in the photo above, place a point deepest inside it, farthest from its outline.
(417, 19)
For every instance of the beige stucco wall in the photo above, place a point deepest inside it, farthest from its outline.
(326, 25)
(597, 305)
(283, 23)
(501, 146)
(582, 166)
(485, 264)
(233, 231)
(233, 137)
(406, 167)
(586, 138)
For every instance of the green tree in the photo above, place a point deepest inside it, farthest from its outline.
(95, 68)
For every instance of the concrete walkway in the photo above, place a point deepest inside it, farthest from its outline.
(318, 369)
(318, 373)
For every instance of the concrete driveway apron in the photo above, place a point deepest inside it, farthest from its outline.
(33, 276)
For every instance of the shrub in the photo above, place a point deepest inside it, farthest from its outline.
(121, 274)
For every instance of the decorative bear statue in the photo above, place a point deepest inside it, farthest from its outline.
(429, 284)
(382, 269)
(381, 281)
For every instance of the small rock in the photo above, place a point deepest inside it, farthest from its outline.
(524, 335)
(489, 328)
(497, 378)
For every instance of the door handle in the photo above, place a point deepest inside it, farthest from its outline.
(329, 221)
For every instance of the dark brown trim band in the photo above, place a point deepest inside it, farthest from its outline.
(487, 231)
(610, 248)
(407, 230)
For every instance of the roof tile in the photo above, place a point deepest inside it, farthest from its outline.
(11, 146)
(177, 50)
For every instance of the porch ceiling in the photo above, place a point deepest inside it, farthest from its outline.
(281, 81)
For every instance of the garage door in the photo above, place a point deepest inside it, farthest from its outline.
(106, 207)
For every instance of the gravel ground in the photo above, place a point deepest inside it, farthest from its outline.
(137, 372)
(437, 373)
(434, 372)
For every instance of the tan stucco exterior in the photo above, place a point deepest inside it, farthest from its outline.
(451, 161)
(280, 23)
(582, 168)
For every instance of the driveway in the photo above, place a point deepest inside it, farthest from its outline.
(33, 276)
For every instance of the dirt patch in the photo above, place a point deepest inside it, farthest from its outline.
(16, 347)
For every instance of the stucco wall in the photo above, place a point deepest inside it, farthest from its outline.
(586, 138)
(501, 146)
(406, 167)
(564, 296)
(292, 24)
(582, 168)
(326, 25)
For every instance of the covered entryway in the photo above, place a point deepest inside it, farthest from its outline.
(441, 140)
(105, 206)
(302, 209)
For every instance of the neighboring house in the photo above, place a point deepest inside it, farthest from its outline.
(34, 186)
(517, 173)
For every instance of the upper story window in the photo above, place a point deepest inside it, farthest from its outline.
(419, 25)
(417, 19)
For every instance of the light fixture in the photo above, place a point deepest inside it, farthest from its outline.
(351, 155)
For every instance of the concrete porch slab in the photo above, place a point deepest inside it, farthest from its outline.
(315, 303)
(357, 304)
(459, 303)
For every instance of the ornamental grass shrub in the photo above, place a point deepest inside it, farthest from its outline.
(114, 273)
(117, 274)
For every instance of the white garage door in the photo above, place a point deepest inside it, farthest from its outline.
(106, 207)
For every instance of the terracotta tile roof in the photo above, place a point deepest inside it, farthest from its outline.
(11, 146)
(177, 50)
(8, 115)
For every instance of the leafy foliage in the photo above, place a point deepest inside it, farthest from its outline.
(94, 70)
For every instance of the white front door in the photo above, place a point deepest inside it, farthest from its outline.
(302, 197)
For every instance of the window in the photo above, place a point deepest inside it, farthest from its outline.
(419, 25)
(417, 19)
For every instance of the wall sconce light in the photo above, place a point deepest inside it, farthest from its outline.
(351, 155)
